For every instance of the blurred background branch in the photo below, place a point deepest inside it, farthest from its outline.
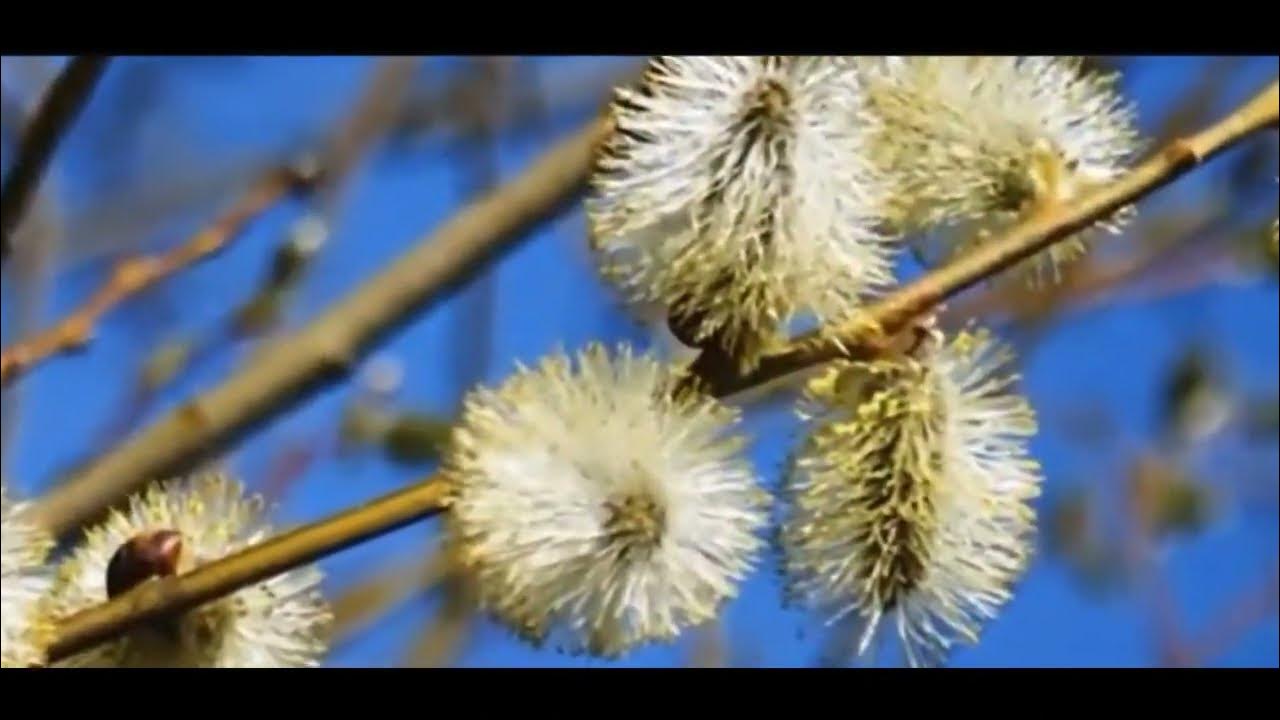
(134, 275)
(327, 349)
(50, 121)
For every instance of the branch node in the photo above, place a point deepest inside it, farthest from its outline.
(194, 415)
(1182, 151)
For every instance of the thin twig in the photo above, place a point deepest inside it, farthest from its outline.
(709, 646)
(326, 350)
(445, 635)
(289, 464)
(38, 243)
(59, 108)
(357, 608)
(1089, 281)
(351, 138)
(895, 312)
(136, 274)
(368, 123)
(172, 595)
(1252, 607)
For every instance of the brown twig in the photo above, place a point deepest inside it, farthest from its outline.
(176, 594)
(1137, 551)
(1089, 281)
(289, 464)
(38, 242)
(896, 311)
(369, 121)
(444, 636)
(64, 100)
(136, 274)
(709, 646)
(1251, 607)
(351, 138)
(326, 350)
(355, 609)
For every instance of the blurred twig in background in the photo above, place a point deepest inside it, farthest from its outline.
(327, 349)
(357, 608)
(445, 635)
(50, 121)
(37, 244)
(37, 247)
(1236, 618)
(336, 159)
(709, 646)
(136, 274)
(478, 95)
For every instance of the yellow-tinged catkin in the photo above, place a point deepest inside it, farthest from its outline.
(735, 196)
(908, 497)
(984, 142)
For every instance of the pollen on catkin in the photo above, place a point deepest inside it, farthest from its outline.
(24, 581)
(908, 499)
(280, 622)
(596, 511)
(734, 194)
(988, 141)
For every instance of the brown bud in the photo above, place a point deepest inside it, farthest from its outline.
(151, 554)
(684, 326)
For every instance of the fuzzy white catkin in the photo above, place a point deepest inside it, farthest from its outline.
(989, 140)
(595, 511)
(908, 499)
(24, 581)
(734, 194)
(280, 622)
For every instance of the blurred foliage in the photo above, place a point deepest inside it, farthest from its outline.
(1261, 418)
(415, 439)
(1073, 534)
(1194, 403)
(1167, 499)
(164, 363)
(263, 311)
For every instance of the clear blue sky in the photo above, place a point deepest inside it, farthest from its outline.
(547, 296)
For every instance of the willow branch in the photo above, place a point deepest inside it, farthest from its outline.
(168, 596)
(326, 350)
(133, 275)
(1090, 281)
(893, 313)
(67, 95)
